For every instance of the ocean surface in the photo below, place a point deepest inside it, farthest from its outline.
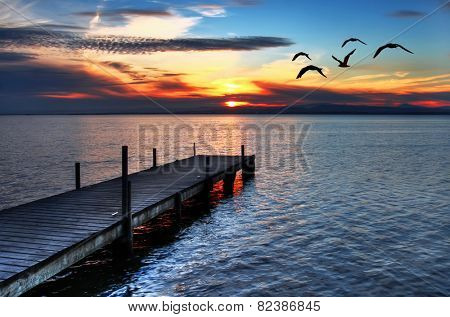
(339, 206)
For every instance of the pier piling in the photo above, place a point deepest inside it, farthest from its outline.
(77, 176)
(178, 205)
(228, 182)
(154, 158)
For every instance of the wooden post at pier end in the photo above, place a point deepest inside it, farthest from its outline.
(248, 164)
(154, 158)
(228, 182)
(178, 205)
(195, 151)
(243, 161)
(77, 176)
(208, 183)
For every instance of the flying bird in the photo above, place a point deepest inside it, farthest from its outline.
(308, 68)
(352, 40)
(345, 62)
(300, 54)
(390, 45)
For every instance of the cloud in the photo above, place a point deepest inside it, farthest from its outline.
(407, 14)
(25, 37)
(65, 27)
(209, 10)
(9, 16)
(127, 12)
(15, 57)
(17, 79)
(125, 69)
(246, 2)
(147, 26)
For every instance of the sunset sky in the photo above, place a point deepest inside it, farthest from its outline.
(153, 56)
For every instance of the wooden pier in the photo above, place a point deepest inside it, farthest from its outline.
(44, 237)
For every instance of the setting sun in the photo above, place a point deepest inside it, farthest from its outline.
(233, 104)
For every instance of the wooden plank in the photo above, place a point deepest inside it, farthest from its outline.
(65, 216)
(31, 248)
(25, 255)
(46, 226)
(56, 232)
(5, 275)
(12, 268)
(20, 262)
(19, 242)
(67, 207)
(26, 250)
(60, 221)
(74, 237)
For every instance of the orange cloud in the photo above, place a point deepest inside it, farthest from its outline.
(69, 95)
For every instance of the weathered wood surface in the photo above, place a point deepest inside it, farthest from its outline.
(41, 238)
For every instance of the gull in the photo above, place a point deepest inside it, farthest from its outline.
(390, 45)
(352, 40)
(308, 68)
(300, 54)
(345, 62)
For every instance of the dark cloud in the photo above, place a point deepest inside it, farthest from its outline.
(134, 45)
(119, 12)
(15, 57)
(126, 69)
(407, 14)
(29, 81)
(54, 26)
(173, 74)
(16, 37)
(177, 85)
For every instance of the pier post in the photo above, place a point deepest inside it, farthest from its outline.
(124, 180)
(208, 183)
(248, 164)
(154, 158)
(77, 176)
(195, 152)
(178, 205)
(243, 158)
(228, 182)
(243, 161)
(128, 222)
(127, 240)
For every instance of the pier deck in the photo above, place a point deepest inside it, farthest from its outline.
(42, 238)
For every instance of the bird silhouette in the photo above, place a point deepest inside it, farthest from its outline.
(352, 40)
(308, 68)
(300, 54)
(344, 63)
(390, 45)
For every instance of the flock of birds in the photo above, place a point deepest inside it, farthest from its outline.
(344, 63)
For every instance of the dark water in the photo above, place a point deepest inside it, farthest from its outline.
(340, 205)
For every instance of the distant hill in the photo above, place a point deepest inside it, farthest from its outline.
(343, 109)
